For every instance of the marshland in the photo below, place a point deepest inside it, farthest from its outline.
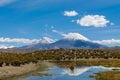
(79, 59)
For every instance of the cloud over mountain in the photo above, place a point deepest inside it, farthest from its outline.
(26, 41)
(93, 20)
(112, 41)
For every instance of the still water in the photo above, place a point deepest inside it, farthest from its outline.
(58, 73)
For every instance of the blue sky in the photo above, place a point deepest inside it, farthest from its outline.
(36, 20)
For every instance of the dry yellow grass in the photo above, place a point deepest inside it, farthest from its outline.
(10, 71)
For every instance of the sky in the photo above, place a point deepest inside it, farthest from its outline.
(24, 22)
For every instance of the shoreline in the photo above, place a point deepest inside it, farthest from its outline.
(12, 71)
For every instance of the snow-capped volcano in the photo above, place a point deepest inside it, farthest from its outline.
(70, 40)
(65, 43)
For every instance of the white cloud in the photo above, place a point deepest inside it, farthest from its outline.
(70, 13)
(58, 32)
(112, 41)
(5, 2)
(26, 41)
(93, 20)
(5, 47)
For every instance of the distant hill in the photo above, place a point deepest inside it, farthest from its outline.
(15, 50)
(113, 49)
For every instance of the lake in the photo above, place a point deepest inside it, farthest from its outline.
(63, 73)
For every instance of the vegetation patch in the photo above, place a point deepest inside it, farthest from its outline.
(108, 75)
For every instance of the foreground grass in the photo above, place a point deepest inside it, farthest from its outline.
(62, 55)
(11, 71)
(108, 75)
(7, 72)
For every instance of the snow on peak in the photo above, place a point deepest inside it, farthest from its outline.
(75, 36)
(46, 40)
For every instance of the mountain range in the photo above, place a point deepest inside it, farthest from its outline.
(64, 43)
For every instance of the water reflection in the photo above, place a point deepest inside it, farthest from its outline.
(72, 69)
(75, 71)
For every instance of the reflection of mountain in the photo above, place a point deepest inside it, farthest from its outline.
(65, 43)
(76, 72)
(80, 71)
